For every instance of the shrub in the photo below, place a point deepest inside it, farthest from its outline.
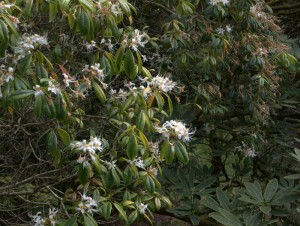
(99, 98)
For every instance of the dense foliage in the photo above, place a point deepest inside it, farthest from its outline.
(112, 110)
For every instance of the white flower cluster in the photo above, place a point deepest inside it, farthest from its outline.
(95, 70)
(246, 150)
(152, 170)
(215, 2)
(87, 204)
(53, 88)
(38, 91)
(87, 149)
(38, 220)
(164, 84)
(137, 40)
(139, 162)
(175, 128)
(6, 75)
(28, 43)
(221, 31)
(256, 11)
(142, 208)
(107, 7)
(4, 6)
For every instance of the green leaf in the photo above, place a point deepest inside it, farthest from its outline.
(71, 222)
(144, 140)
(141, 120)
(84, 174)
(222, 219)
(222, 198)
(99, 92)
(116, 177)
(89, 220)
(87, 4)
(150, 185)
(84, 23)
(38, 104)
(129, 65)
(64, 136)
(181, 152)
(254, 191)
(125, 7)
(167, 151)
(265, 209)
(229, 216)
(60, 108)
(292, 177)
(210, 203)
(118, 59)
(132, 147)
(52, 147)
(140, 62)
(121, 210)
(24, 64)
(21, 94)
(195, 219)
(53, 10)
(106, 210)
(4, 38)
(127, 103)
(132, 217)
(10, 25)
(271, 189)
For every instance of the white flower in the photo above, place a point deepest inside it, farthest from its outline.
(81, 207)
(228, 28)
(67, 79)
(87, 204)
(91, 45)
(84, 161)
(37, 219)
(52, 215)
(162, 83)
(137, 40)
(111, 165)
(246, 150)
(215, 2)
(38, 90)
(138, 162)
(53, 88)
(142, 208)
(175, 128)
(220, 31)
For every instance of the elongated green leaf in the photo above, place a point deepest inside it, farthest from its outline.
(84, 174)
(11, 25)
(132, 147)
(53, 10)
(25, 64)
(99, 92)
(87, 4)
(38, 104)
(60, 108)
(21, 94)
(106, 210)
(150, 185)
(89, 220)
(144, 140)
(125, 7)
(121, 210)
(254, 191)
(271, 189)
(52, 147)
(71, 222)
(64, 136)
(223, 199)
(129, 65)
(167, 151)
(84, 23)
(181, 152)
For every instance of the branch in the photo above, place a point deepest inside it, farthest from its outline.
(160, 6)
